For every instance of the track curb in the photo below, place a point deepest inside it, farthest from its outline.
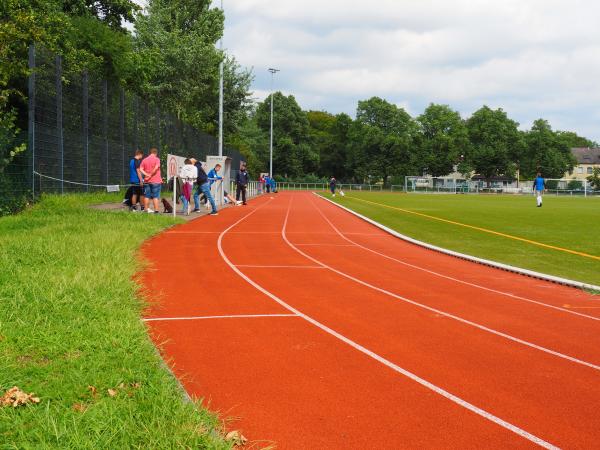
(485, 262)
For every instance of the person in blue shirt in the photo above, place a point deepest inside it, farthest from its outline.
(203, 186)
(135, 191)
(539, 186)
(213, 175)
(273, 185)
(268, 183)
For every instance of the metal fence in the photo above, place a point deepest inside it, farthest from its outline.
(83, 130)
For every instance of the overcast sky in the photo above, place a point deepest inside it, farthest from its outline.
(533, 58)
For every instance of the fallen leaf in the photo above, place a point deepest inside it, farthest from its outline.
(93, 390)
(80, 407)
(122, 386)
(16, 397)
(236, 438)
(136, 385)
(111, 392)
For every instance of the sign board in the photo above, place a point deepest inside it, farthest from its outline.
(174, 165)
(113, 188)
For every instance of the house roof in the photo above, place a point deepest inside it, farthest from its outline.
(585, 155)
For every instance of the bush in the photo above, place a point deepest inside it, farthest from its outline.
(11, 200)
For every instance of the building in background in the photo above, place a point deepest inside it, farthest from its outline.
(587, 160)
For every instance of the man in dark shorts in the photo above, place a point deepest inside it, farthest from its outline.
(136, 180)
(241, 183)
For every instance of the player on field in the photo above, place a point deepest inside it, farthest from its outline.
(539, 187)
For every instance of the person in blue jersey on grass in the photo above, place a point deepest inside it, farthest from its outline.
(539, 187)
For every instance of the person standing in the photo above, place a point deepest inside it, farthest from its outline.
(268, 183)
(539, 187)
(204, 188)
(332, 185)
(241, 184)
(136, 180)
(150, 169)
(188, 175)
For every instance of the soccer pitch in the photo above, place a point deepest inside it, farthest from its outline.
(566, 223)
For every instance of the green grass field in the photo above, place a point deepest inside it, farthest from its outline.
(569, 223)
(70, 319)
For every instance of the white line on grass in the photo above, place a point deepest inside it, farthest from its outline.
(459, 401)
(478, 286)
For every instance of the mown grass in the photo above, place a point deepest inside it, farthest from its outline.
(570, 223)
(70, 319)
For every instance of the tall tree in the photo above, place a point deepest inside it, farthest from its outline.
(178, 62)
(443, 138)
(293, 155)
(496, 143)
(545, 151)
(383, 137)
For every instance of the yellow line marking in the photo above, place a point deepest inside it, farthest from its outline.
(485, 230)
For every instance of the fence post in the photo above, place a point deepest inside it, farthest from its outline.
(31, 116)
(122, 132)
(59, 120)
(86, 127)
(105, 125)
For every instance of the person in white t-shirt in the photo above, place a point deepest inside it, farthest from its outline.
(188, 174)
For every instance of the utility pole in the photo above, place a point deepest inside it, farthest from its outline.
(221, 70)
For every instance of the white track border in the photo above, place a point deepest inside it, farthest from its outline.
(485, 262)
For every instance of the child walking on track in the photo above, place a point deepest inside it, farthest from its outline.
(332, 186)
(539, 186)
(241, 182)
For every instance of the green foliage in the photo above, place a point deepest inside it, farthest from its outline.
(70, 319)
(111, 12)
(294, 156)
(443, 139)
(545, 151)
(594, 179)
(495, 143)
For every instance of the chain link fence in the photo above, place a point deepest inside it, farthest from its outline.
(83, 130)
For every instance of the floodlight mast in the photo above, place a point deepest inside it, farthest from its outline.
(273, 72)
(221, 70)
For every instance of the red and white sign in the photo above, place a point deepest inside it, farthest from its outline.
(174, 164)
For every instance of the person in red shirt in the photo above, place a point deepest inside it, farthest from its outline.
(150, 169)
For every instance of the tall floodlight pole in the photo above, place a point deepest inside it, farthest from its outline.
(221, 70)
(273, 72)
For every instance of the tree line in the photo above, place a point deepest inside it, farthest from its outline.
(171, 58)
(384, 143)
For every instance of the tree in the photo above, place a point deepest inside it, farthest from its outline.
(177, 63)
(335, 153)
(545, 151)
(382, 136)
(594, 179)
(573, 140)
(496, 143)
(111, 12)
(293, 155)
(443, 138)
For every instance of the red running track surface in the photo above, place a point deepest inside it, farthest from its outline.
(308, 328)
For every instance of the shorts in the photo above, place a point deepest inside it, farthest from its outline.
(136, 189)
(152, 190)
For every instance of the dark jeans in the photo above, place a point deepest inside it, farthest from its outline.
(240, 189)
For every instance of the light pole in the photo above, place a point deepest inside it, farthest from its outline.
(221, 69)
(273, 72)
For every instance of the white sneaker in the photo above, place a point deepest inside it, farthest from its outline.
(238, 203)
(150, 211)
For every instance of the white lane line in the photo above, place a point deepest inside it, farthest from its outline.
(325, 245)
(238, 316)
(438, 311)
(438, 390)
(507, 294)
(278, 267)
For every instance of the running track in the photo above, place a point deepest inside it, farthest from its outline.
(310, 329)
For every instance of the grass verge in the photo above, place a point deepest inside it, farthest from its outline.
(569, 223)
(70, 331)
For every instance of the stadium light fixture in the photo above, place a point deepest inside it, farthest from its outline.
(273, 72)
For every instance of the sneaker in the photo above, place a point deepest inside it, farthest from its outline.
(214, 213)
(150, 211)
(238, 203)
(197, 210)
(133, 209)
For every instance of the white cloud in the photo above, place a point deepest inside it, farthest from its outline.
(534, 58)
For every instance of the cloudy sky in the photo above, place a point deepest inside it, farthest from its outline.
(533, 58)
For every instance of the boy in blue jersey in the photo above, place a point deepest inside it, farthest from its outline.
(136, 180)
(539, 186)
